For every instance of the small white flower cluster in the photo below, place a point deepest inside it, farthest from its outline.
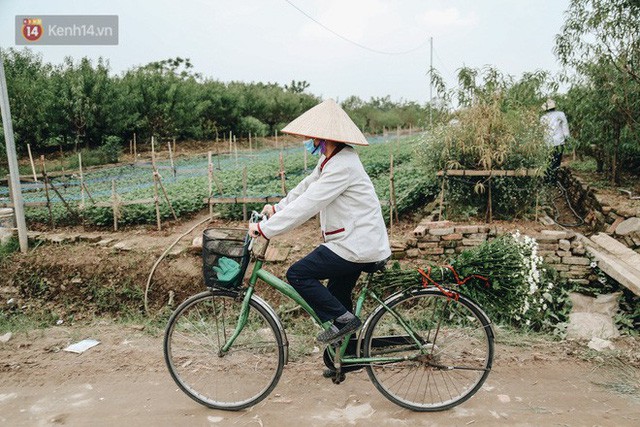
(535, 294)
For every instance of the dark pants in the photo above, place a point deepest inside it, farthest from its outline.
(554, 164)
(335, 299)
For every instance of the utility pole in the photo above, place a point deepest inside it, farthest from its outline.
(431, 82)
(14, 172)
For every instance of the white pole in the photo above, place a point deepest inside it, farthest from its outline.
(14, 172)
(431, 83)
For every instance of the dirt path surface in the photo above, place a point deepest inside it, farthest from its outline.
(123, 381)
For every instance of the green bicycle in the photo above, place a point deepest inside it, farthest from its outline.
(424, 348)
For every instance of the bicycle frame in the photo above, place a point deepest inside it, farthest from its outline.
(286, 289)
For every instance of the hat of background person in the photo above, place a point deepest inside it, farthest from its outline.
(550, 104)
(329, 121)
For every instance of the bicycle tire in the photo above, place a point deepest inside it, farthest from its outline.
(239, 378)
(453, 361)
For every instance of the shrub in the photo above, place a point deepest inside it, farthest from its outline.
(523, 292)
(488, 136)
(111, 148)
(253, 125)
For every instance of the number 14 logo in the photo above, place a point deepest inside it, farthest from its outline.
(32, 29)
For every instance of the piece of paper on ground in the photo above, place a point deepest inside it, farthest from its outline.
(82, 346)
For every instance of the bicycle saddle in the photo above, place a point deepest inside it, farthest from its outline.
(377, 266)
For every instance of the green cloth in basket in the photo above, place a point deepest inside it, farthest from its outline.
(227, 269)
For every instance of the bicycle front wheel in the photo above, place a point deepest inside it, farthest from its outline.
(233, 380)
(445, 362)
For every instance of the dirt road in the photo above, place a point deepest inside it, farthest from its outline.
(123, 381)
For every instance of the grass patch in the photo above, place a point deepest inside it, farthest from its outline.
(615, 374)
(585, 165)
(8, 249)
(16, 322)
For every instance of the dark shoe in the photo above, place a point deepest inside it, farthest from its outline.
(339, 330)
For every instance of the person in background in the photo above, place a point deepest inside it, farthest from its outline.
(556, 134)
(353, 228)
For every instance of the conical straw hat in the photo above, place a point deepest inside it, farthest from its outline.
(327, 120)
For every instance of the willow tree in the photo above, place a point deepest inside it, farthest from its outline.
(600, 40)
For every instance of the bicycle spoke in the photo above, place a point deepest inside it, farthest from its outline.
(240, 377)
(450, 364)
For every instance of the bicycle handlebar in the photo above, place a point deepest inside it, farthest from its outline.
(256, 217)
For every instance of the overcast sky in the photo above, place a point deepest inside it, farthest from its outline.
(272, 41)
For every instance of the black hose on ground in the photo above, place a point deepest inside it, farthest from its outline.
(563, 192)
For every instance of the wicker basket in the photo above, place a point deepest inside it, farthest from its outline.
(225, 257)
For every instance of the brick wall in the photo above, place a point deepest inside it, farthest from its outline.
(441, 240)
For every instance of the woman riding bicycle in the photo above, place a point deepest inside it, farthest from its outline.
(353, 229)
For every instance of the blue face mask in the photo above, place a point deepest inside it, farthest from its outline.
(308, 144)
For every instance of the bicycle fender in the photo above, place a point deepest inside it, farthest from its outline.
(283, 333)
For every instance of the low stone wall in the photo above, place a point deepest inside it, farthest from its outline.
(440, 240)
(620, 223)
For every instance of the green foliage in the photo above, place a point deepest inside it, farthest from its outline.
(8, 248)
(523, 292)
(187, 193)
(497, 131)
(378, 114)
(111, 149)
(253, 126)
(599, 40)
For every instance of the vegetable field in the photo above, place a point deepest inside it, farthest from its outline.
(190, 185)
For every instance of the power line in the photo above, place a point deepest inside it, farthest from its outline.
(404, 52)
(444, 66)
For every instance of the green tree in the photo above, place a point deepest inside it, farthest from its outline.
(30, 96)
(600, 41)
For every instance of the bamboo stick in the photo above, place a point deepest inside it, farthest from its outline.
(153, 152)
(489, 202)
(173, 166)
(235, 146)
(88, 193)
(156, 201)
(46, 190)
(244, 193)
(135, 148)
(81, 178)
(239, 200)
(282, 176)
(64, 202)
(391, 193)
(174, 145)
(444, 179)
(210, 173)
(61, 159)
(33, 166)
(114, 204)
(156, 197)
(166, 197)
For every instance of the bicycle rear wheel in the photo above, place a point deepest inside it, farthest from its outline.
(237, 379)
(452, 360)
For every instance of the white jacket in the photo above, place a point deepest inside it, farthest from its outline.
(350, 215)
(557, 128)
